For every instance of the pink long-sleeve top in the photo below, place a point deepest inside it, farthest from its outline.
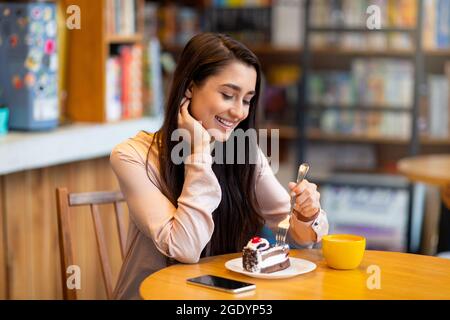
(158, 230)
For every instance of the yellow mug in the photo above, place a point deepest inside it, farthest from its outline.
(343, 251)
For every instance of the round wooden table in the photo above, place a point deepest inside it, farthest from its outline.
(431, 169)
(402, 276)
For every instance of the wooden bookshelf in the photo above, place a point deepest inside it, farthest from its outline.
(295, 52)
(120, 39)
(338, 29)
(291, 132)
(266, 52)
(359, 108)
(88, 50)
(443, 53)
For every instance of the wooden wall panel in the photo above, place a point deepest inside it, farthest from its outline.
(3, 265)
(18, 232)
(29, 204)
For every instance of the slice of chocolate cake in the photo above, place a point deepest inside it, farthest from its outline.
(259, 257)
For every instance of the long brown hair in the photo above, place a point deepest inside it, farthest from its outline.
(237, 217)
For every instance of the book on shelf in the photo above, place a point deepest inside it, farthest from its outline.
(124, 83)
(153, 81)
(438, 106)
(287, 23)
(447, 73)
(434, 112)
(246, 24)
(153, 89)
(187, 20)
(436, 32)
(382, 83)
(353, 14)
(370, 82)
(121, 17)
(177, 24)
(134, 106)
(151, 20)
(239, 3)
(330, 157)
(113, 100)
(280, 93)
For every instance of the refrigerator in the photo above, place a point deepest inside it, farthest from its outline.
(29, 64)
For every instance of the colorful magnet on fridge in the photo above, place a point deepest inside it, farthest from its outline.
(49, 47)
(22, 22)
(51, 86)
(17, 82)
(47, 14)
(43, 84)
(30, 79)
(31, 64)
(13, 40)
(39, 41)
(53, 62)
(36, 13)
(6, 12)
(43, 79)
(19, 12)
(36, 27)
(33, 61)
(50, 29)
(39, 90)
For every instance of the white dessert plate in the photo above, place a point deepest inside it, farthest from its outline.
(298, 266)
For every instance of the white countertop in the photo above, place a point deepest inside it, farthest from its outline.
(30, 150)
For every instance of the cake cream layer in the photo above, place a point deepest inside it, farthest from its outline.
(273, 260)
(273, 251)
(277, 267)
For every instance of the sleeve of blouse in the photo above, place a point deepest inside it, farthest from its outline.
(274, 202)
(178, 232)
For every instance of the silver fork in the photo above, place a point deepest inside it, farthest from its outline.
(283, 226)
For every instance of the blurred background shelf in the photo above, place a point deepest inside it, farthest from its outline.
(269, 49)
(119, 39)
(342, 29)
(291, 132)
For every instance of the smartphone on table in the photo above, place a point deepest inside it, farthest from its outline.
(222, 284)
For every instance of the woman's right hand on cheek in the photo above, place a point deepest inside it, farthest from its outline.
(199, 138)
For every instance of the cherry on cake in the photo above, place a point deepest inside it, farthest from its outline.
(259, 257)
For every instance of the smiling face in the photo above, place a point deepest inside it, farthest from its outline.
(223, 100)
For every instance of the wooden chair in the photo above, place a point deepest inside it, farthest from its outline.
(66, 200)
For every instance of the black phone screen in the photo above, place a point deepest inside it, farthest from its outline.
(222, 283)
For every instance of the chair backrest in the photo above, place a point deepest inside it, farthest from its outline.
(66, 200)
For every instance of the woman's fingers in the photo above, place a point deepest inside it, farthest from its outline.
(308, 208)
(198, 135)
(307, 198)
(309, 212)
(304, 203)
(183, 107)
(301, 187)
(291, 185)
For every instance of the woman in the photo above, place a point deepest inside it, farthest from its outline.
(181, 212)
